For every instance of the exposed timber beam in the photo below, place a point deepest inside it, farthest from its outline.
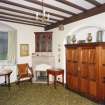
(72, 4)
(50, 6)
(91, 12)
(13, 21)
(30, 8)
(22, 20)
(23, 12)
(22, 17)
(94, 2)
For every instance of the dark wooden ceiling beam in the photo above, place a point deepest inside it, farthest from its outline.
(11, 18)
(91, 12)
(94, 2)
(30, 8)
(72, 5)
(22, 17)
(50, 6)
(13, 21)
(23, 12)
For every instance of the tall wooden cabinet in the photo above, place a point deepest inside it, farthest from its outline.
(85, 69)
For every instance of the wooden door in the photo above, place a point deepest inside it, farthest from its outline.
(102, 74)
(72, 68)
(93, 72)
(83, 71)
(74, 62)
(68, 66)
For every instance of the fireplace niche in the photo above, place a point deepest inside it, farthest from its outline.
(40, 64)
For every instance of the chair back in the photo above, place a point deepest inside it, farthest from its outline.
(22, 70)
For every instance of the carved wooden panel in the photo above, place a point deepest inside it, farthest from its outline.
(92, 55)
(69, 54)
(102, 73)
(92, 72)
(84, 55)
(92, 64)
(84, 85)
(75, 83)
(92, 89)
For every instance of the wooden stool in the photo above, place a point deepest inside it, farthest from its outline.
(55, 73)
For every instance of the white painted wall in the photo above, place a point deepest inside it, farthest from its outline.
(25, 35)
(73, 28)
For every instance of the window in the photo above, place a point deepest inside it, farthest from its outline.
(8, 47)
(3, 45)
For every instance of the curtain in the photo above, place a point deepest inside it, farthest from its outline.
(12, 37)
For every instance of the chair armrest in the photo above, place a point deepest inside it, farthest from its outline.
(18, 77)
(31, 70)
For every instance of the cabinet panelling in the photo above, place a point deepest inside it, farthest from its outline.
(84, 86)
(102, 73)
(72, 68)
(75, 83)
(68, 54)
(87, 69)
(92, 72)
(92, 89)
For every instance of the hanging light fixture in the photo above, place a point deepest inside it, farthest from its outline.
(45, 16)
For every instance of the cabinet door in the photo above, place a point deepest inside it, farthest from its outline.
(68, 65)
(75, 61)
(84, 62)
(72, 68)
(83, 72)
(72, 61)
(92, 76)
(102, 74)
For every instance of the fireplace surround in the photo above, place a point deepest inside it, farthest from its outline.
(40, 64)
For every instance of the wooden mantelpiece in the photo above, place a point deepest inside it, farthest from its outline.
(85, 69)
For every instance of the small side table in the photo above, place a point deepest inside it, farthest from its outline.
(55, 73)
(6, 74)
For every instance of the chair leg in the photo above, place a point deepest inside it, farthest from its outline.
(18, 82)
(30, 80)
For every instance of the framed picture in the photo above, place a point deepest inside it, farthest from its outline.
(43, 41)
(24, 49)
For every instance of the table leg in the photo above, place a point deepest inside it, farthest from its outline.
(47, 78)
(5, 80)
(8, 80)
(63, 78)
(54, 81)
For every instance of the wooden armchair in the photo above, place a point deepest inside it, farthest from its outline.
(24, 73)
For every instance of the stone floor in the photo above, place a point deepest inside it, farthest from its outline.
(40, 94)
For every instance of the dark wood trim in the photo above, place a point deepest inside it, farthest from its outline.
(50, 6)
(22, 20)
(30, 8)
(94, 2)
(19, 22)
(22, 17)
(91, 12)
(72, 4)
(23, 12)
(85, 44)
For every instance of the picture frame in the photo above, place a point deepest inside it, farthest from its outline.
(24, 50)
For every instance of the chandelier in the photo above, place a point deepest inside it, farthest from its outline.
(44, 16)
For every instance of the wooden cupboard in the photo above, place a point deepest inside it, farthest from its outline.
(85, 69)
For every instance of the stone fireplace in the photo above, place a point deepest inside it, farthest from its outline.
(40, 64)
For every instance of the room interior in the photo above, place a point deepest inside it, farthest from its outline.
(61, 41)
